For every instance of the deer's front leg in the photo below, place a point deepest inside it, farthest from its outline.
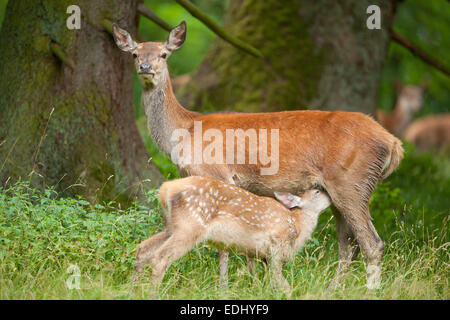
(251, 265)
(276, 268)
(224, 255)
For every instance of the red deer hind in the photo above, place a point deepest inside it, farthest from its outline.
(344, 153)
(430, 133)
(409, 101)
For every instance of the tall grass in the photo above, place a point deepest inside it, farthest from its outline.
(41, 235)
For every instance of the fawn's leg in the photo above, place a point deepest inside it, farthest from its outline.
(173, 248)
(145, 251)
(223, 268)
(276, 268)
(251, 265)
(224, 255)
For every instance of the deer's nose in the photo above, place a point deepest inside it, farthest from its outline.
(145, 67)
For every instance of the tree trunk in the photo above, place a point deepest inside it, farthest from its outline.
(89, 144)
(318, 54)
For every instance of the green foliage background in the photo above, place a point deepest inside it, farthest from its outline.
(426, 24)
(41, 234)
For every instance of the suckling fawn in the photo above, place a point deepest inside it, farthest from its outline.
(199, 209)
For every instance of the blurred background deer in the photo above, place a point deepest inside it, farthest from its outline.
(409, 101)
(429, 133)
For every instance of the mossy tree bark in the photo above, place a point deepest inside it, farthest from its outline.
(318, 54)
(90, 144)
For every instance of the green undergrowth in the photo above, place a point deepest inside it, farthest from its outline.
(42, 235)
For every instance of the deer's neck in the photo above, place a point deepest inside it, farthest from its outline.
(164, 113)
(402, 115)
(305, 224)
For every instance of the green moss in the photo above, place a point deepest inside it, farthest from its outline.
(41, 43)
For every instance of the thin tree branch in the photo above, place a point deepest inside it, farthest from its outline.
(218, 30)
(418, 52)
(107, 24)
(62, 55)
(146, 12)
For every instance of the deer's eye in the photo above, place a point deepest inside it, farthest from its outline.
(134, 55)
(164, 55)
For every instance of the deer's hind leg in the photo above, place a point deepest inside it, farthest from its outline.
(276, 268)
(352, 201)
(350, 190)
(145, 252)
(178, 244)
(369, 241)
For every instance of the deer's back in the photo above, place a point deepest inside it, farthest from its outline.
(313, 146)
(430, 133)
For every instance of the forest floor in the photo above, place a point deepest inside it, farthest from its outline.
(62, 248)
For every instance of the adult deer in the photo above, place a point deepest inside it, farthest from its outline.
(199, 209)
(346, 154)
(409, 101)
(430, 133)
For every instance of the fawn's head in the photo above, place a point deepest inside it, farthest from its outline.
(150, 58)
(313, 201)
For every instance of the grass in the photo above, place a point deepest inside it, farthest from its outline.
(41, 235)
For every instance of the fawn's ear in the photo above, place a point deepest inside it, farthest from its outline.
(288, 199)
(123, 39)
(176, 37)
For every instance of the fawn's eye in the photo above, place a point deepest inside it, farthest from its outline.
(134, 55)
(164, 55)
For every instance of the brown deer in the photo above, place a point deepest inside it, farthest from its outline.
(409, 101)
(200, 209)
(430, 133)
(344, 153)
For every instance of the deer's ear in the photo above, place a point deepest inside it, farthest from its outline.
(288, 199)
(123, 39)
(176, 37)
